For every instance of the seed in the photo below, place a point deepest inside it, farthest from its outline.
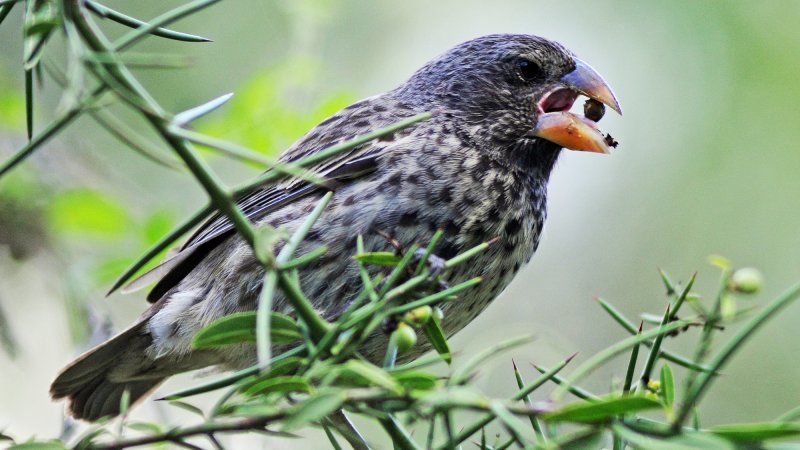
(593, 110)
(419, 316)
(405, 337)
(747, 280)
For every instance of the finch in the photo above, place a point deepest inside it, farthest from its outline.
(477, 170)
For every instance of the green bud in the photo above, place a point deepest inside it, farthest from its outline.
(747, 280)
(405, 337)
(438, 313)
(419, 316)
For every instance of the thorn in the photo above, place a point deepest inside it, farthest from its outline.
(514, 364)
(594, 296)
(570, 358)
(493, 240)
(640, 326)
(436, 112)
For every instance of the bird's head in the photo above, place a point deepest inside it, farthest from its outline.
(513, 93)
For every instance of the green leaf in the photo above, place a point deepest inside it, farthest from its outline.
(313, 409)
(276, 369)
(40, 21)
(601, 411)
(240, 328)
(685, 441)
(588, 439)
(460, 396)
(416, 379)
(144, 427)
(379, 259)
(5, 437)
(47, 445)
(433, 330)
(751, 432)
(282, 385)
(108, 13)
(189, 115)
(667, 385)
(360, 373)
(512, 424)
(187, 407)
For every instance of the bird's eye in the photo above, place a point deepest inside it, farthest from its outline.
(529, 69)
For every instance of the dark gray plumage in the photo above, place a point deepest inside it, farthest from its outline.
(477, 170)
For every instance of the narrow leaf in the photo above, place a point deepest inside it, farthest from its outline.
(189, 115)
(667, 385)
(378, 259)
(5, 9)
(433, 330)
(511, 423)
(42, 445)
(108, 13)
(686, 441)
(602, 411)
(416, 379)
(187, 407)
(276, 369)
(753, 432)
(282, 385)
(240, 328)
(313, 409)
(359, 373)
(29, 102)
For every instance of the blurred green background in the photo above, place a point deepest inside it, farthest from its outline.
(708, 162)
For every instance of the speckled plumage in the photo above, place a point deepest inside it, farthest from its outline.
(474, 170)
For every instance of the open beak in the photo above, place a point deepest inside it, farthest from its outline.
(572, 131)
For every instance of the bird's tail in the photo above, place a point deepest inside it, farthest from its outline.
(94, 384)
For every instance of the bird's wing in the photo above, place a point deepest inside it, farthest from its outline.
(358, 119)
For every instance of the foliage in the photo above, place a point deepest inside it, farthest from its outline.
(323, 372)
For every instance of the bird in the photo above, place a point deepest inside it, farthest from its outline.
(477, 170)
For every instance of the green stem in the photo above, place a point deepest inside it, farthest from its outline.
(537, 427)
(669, 356)
(51, 130)
(653, 356)
(263, 315)
(400, 438)
(577, 391)
(477, 425)
(156, 249)
(614, 350)
(230, 379)
(697, 388)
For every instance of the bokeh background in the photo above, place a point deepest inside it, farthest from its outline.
(708, 162)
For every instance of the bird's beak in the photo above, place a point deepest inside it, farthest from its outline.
(572, 131)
